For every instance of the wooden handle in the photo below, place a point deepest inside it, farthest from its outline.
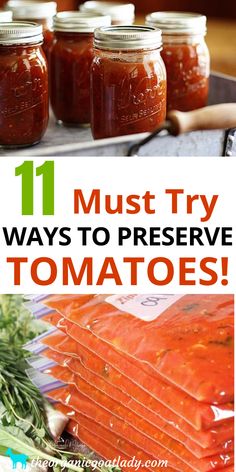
(213, 117)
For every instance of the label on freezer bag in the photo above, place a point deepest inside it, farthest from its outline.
(144, 307)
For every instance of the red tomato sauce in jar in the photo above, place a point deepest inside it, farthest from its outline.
(69, 85)
(38, 12)
(70, 61)
(128, 82)
(186, 58)
(48, 37)
(188, 82)
(23, 85)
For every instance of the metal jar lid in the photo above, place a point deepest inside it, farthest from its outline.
(5, 15)
(171, 22)
(31, 10)
(79, 22)
(128, 38)
(118, 11)
(15, 33)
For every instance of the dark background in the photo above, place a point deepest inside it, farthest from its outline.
(217, 8)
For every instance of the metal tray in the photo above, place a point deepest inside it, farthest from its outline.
(61, 141)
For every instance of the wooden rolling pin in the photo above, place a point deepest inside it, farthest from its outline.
(214, 117)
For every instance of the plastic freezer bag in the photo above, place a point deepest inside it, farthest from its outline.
(104, 409)
(97, 414)
(67, 376)
(36, 303)
(103, 448)
(56, 320)
(93, 362)
(177, 455)
(190, 343)
(78, 421)
(197, 414)
(72, 427)
(212, 438)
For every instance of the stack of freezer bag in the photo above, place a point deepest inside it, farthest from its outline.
(145, 376)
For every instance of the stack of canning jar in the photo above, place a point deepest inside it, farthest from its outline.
(128, 78)
(127, 74)
(119, 79)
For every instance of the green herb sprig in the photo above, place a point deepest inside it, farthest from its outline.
(17, 325)
(23, 421)
(21, 403)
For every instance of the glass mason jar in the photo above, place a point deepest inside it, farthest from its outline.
(23, 85)
(186, 57)
(128, 81)
(5, 16)
(38, 12)
(120, 13)
(70, 60)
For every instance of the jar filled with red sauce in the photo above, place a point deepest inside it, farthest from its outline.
(5, 16)
(120, 13)
(128, 81)
(38, 12)
(23, 85)
(70, 61)
(186, 57)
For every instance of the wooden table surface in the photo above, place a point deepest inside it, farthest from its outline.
(221, 39)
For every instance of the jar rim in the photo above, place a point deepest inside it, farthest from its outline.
(79, 22)
(128, 37)
(31, 10)
(20, 33)
(172, 22)
(5, 16)
(116, 10)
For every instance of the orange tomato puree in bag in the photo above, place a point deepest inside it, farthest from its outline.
(121, 363)
(100, 410)
(190, 344)
(80, 403)
(102, 447)
(216, 438)
(67, 376)
(197, 414)
(78, 421)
